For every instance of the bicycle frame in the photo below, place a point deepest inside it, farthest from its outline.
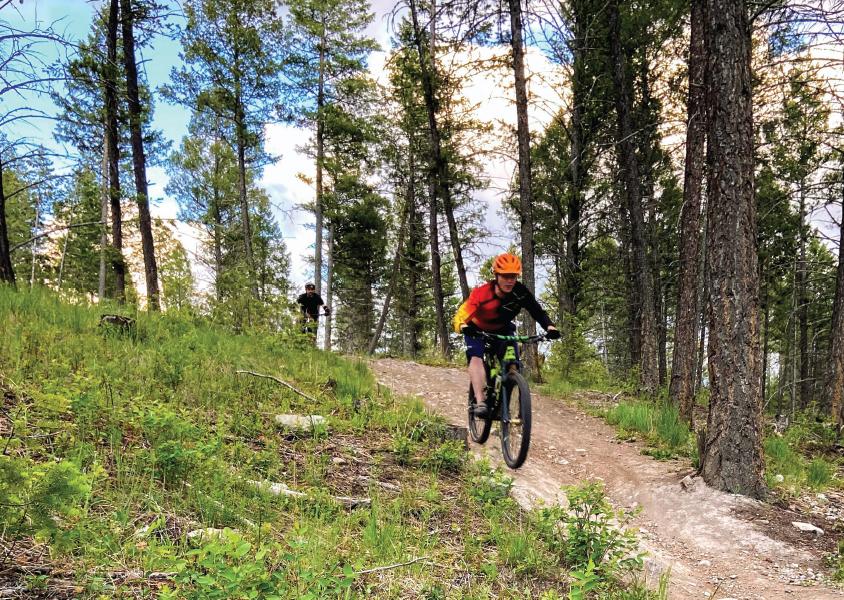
(497, 368)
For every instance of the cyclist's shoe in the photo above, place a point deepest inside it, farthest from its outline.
(481, 409)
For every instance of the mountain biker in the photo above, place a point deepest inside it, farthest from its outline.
(310, 302)
(491, 307)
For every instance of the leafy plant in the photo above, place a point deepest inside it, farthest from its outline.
(447, 457)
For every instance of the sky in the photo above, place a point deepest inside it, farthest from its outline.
(287, 191)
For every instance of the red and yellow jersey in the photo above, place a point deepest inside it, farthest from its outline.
(490, 313)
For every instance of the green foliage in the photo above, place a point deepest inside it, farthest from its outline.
(659, 422)
(448, 457)
(591, 532)
(794, 461)
(490, 487)
(34, 496)
(835, 562)
(230, 567)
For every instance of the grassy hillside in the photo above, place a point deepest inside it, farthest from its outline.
(117, 445)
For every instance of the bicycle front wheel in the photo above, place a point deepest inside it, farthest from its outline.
(478, 426)
(515, 426)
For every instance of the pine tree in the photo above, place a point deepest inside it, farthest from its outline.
(232, 55)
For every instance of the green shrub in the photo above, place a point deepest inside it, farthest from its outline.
(595, 532)
(34, 495)
(819, 474)
(447, 457)
(491, 487)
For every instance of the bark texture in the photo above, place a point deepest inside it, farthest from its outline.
(112, 142)
(732, 455)
(138, 157)
(441, 186)
(525, 203)
(835, 383)
(630, 176)
(682, 386)
(7, 273)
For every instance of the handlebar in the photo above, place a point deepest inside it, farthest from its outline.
(525, 339)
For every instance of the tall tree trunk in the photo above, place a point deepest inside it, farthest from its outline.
(60, 277)
(394, 278)
(436, 270)
(7, 272)
(525, 204)
(804, 387)
(732, 457)
(414, 246)
(835, 382)
(629, 163)
(440, 176)
(434, 182)
(138, 157)
(34, 246)
(682, 386)
(766, 321)
(329, 289)
(218, 227)
(320, 160)
(117, 262)
(101, 283)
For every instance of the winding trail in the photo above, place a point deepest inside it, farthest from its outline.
(713, 543)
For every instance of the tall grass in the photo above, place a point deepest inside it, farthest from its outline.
(658, 422)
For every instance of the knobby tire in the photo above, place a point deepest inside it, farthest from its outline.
(515, 447)
(478, 427)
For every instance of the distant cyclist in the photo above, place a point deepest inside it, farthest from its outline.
(310, 302)
(492, 307)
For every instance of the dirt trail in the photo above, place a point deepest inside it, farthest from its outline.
(708, 539)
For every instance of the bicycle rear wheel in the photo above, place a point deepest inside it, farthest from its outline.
(515, 427)
(478, 426)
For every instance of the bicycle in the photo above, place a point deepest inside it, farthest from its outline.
(507, 398)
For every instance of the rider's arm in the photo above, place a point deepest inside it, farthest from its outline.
(536, 311)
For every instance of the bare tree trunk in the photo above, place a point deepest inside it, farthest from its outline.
(320, 160)
(329, 288)
(682, 386)
(441, 188)
(732, 457)
(394, 277)
(101, 283)
(138, 157)
(114, 156)
(434, 182)
(7, 272)
(804, 388)
(629, 163)
(64, 250)
(525, 204)
(835, 382)
(414, 244)
(34, 246)
(765, 337)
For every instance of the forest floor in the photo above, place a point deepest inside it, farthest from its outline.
(716, 545)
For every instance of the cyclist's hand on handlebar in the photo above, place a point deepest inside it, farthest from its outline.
(553, 333)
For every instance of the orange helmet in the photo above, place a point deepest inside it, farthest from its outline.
(507, 264)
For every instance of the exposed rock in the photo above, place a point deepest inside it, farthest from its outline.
(808, 528)
(201, 535)
(303, 423)
(689, 482)
(281, 489)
